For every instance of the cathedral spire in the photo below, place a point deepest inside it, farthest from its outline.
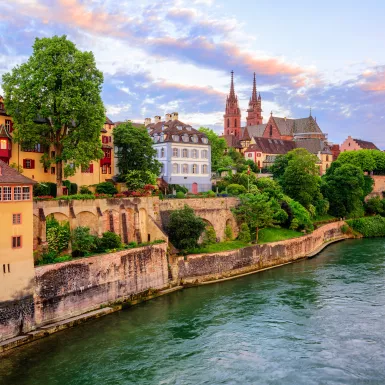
(232, 92)
(254, 95)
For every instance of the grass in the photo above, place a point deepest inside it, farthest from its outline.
(324, 218)
(218, 247)
(277, 234)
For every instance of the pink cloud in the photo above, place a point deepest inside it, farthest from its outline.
(374, 79)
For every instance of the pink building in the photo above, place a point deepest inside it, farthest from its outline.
(351, 144)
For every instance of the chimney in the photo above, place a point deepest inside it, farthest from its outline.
(157, 119)
(168, 117)
(147, 121)
(175, 116)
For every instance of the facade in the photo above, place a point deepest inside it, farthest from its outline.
(16, 241)
(351, 144)
(28, 159)
(185, 153)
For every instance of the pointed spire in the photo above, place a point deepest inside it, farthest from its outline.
(310, 112)
(232, 92)
(259, 97)
(254, 95)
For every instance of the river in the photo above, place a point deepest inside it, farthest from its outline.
(318, 321)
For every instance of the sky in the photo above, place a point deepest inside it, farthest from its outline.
(169, 56)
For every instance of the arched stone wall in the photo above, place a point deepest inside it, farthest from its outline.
(88, 219)
(143, 224)
(59, 216)
(111, 221)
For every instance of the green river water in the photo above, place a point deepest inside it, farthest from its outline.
(318, 321)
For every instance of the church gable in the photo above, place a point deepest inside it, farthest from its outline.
(272, 130)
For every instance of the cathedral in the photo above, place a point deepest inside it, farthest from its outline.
(277, 136)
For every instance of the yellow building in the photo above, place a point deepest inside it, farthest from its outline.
(29, 159)
(16, 240)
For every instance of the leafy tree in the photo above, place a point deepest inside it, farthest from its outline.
(256, 211)
(134, 149)
(252, 165)
(238, 160)
(375, 205)
(344, 189)
(82, 241)
(279, 166)
(363, 159)
(301, 180)
(106, 188)
(58, 235)
(218, 146)
(185, 228)
(137, 179)
(229, 235)
(244, 233)
(54, 99)
(299, 217)
(236, 189)
(108, 241)
(224, 163)
(209, 236)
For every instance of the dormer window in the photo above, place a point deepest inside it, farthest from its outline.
(194, 138)
(188, 128)
(179, 128)
(175, 138)
(162, 138)
(185, 138)
(205, 140)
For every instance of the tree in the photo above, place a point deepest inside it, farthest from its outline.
(185, 228)
(137, 179)
(301, 180)
(82, 241)
(256, 211)
(134, 149)
(218, 146)
(54, 99)
(344, 188)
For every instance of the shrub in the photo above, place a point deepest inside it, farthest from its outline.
(62, 258)
(82, 241)
(109, 240)
(58, 235)
(229, 233)
(73, 189)
(43, 198)
(209, 236)
(106, 188)
(210, 194)
(185, 228)
(84, 190)
(375, 206)
(244, 233)
(236, 189)
(180, 195)
(297, 214)
(368, 226)
(41, 189)
(345, 228)
(101, 196)
(48, 257)
(52, 189)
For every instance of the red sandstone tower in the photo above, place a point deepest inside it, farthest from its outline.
(254, 112)
(232, 117)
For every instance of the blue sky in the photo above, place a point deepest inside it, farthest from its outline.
(176, 55)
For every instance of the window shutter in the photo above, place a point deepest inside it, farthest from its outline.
(91, 168)
(32, 163)
(11, 127)
(24, 163)
(110, 139)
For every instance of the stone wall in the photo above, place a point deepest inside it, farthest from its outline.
(214, 211)
(71, 288)
(207, 267)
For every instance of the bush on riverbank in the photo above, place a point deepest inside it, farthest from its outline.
(368, 226)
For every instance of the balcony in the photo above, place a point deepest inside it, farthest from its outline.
(5, 154)
(106, 161)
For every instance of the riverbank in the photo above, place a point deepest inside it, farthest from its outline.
(71, 293)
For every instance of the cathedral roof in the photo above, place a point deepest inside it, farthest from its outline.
(296, 126)
(271, 146)
(232, 141)
(313, 145)
(256, 130)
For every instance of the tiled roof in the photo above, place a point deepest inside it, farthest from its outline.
(313, 145)
(366, 145)
(108, 120)
(256, 130)
(231, 141)
(174, 128)
(271, 146)
(10, 175)
(296, 126)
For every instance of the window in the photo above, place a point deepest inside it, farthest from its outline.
(5, 268)
(195, 169)
(107, 153)
(3, 144)
(1, 194)
(16, 242)
(205, 140)
(162, 153)
(175, 168)
(162, 137)
(175, 152)
(104, 139)
(45, 169)
(327, 158)
(8, 125)
(53, 170)
(185, 138)
(7, 193)
(271, 130)
(28, 164)
(185, 169)
(235, 123)
(88, 170)
(185, 153)
(228, 123)
(175, 138)
(53, 154)
(16, 219)
(204, 169)
(250, 155)
(104, 169)
(26, 193)
(17, 193)
(194, 139)
(194, 154)
(204, 154)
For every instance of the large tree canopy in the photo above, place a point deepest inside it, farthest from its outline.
(218, 146)
(134, 150)
(54, 99)
(366, 160)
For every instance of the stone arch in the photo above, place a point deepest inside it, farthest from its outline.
(58, 216)
(208, 224)
(111, 221)
(143, 224)
(230, 221)
(128, 225)
(88, 219)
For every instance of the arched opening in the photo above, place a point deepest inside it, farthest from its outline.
(88, 219)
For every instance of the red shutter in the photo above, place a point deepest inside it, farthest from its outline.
(110, 139)
(32, 163)
(91, 168)
(24, 163)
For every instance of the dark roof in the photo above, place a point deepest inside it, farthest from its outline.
(256, 130)
(10, 175)
(296, 126)
(175, 127)
(366, 145)
(313, 145)
(4, 132)
(108, 120)
(271, 146)
(231, 141)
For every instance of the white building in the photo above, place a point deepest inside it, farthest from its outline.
(185, 153)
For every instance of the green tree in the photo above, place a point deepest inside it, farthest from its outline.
(364, 159)
(58, 235)
(218, 146)
(344, 188)
(82, 241)
(301, 180)
(209, 236)
(54, 100)
(256, 211)
(137, 179)
(134, 149)
(185, 228)
(244, 233)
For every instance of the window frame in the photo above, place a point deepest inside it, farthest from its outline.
(19, 193)
(23, 192)
(17, 215)
(9, 193)
(14, 238)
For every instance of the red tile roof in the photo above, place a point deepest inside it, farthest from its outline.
(366, 145)
(271, 146)
(9, 175)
